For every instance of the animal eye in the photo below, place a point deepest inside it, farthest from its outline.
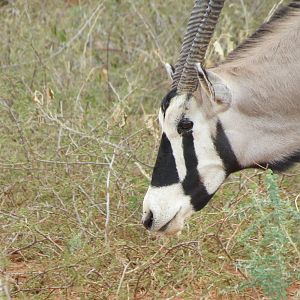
(184, 125)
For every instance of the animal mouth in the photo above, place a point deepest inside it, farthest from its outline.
(164, 227)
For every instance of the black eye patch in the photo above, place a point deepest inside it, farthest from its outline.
(167, 100)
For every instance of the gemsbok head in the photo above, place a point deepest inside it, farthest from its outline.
(243, 113)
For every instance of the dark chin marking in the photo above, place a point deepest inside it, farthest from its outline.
(192, 184)
(225, 151)
(165, 172)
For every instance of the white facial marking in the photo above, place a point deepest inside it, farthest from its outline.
(173, 115)
(176, 145)
(210, 165)
(165, 202)
(169, 70)
(160, 118)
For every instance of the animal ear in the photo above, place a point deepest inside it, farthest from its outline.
(170, 70)
(215, 88)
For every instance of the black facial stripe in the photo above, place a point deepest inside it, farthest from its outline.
(231, 163)
(189, 152)
(166, 100)
(192, 184)
(225, 151)
(165, 171)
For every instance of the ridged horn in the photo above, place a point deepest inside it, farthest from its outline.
(188, 81)
(194, 22)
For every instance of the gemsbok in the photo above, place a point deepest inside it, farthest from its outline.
(243, 113)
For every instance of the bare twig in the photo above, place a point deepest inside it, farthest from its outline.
(14, 117)
(35, 241)
(71, 162)
(49, 239)
(122, 277)
(63, 287)
(296, 202)
(4, 291)
(229, 256)
(107, 219)
(77, 101)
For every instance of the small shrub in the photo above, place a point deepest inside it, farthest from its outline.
(268, 240)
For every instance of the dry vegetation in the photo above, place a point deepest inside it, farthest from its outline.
(80, 84)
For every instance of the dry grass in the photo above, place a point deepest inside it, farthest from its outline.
(79, 89)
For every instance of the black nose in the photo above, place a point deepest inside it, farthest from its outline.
(148, 220)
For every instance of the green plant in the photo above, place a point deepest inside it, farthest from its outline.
(273, 230)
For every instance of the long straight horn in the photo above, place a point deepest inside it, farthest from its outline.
(188, 81)
(195, 20)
